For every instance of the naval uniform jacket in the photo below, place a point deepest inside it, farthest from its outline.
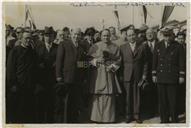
(168, 63)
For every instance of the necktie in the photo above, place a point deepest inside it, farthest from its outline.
(152, 47)
(48, 48)
(132, 47)
(167, 44)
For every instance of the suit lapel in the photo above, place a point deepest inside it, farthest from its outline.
(136, 49)
(128, 49)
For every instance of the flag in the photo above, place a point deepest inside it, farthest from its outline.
(29, 19)
(166, 14)
(117, 17)
(145, 14)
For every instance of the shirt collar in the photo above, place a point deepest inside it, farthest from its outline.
(75, 43)
(48, 45)
(151, 42)
(132, 44)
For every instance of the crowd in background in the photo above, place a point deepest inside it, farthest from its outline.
(64, 75)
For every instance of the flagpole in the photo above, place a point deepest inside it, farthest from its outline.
(161, 16)
(25, 15)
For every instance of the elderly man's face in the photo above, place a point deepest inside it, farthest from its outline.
(150, 35)
(105, 36)
(26, 39)
(131, 35)
(112, 31)
(76, 35)
(181, 39)
(19, 33)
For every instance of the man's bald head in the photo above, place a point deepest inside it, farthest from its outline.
(150, 34)
(76, 34)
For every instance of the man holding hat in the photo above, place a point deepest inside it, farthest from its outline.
(21, 67)
(168, 72)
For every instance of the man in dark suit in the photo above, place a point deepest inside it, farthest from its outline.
(46, 78)
(149, 95)
(69, 71)
(168, 72)
(20, 72)
(134, 64)
(181, 37)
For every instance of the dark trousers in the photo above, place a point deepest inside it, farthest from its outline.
(149, 96)
(167, 102)
(181, 99)
(45, 105)
(132, 106)
(68, 103)
(20, 107)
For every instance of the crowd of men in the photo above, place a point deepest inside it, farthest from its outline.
(56, 76)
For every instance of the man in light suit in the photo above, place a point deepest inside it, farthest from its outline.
(134, 64)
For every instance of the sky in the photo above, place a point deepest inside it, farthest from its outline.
(60, 15)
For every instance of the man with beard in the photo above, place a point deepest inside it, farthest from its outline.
(20, 84)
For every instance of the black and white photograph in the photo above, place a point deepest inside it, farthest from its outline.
(96, 63)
